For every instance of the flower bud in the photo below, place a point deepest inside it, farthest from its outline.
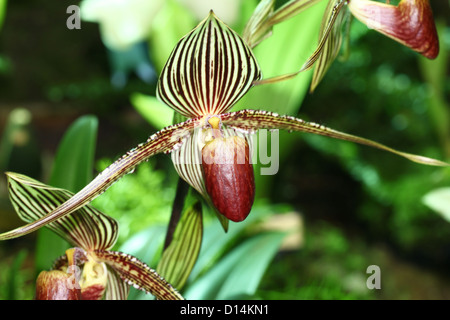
(411, 23)
(57, 285)
(229, 177)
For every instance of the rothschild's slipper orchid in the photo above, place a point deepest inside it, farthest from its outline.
(89, 270)
(208, 71)
(410, 23)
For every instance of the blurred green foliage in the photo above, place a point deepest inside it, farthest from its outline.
(139, 200)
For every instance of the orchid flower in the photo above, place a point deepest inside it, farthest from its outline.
(208, 71)
(89, 270)
(410, 23)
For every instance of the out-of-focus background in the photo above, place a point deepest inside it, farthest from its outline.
(345, 207)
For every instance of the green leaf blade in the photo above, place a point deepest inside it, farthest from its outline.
(74, 161)
(179, 258)
(239, 273)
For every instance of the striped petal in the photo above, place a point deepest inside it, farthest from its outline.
(290, 9)
(258, 119)
(257, 27)
(138, 274)
(86, 228)
(330, 39)
(116, 289)
(164, 140)
(187, 160)
(180, 256)
(260, 24)
(208, 71)
(410, 23)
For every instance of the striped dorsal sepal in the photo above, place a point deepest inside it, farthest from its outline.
(208, 71)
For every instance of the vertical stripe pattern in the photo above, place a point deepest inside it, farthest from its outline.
(138, 274)
(87, 228)
(208, 71)
(116, 289)
(330, 40)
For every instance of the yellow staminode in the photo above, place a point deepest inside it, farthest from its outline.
(214, 122)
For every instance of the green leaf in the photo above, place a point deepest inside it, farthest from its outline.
(165, 34)
(216, 241)
(439, 201)
(74, 160)
(2, 12)
(329, 45)
(239, 273)
(14, 274)
(290, 9)
(208, 71)
(158, 114)
(146, 244)
(180, 256)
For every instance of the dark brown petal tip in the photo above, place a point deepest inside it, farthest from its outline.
(411, 23)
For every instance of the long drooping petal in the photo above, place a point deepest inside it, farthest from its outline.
(208, 71)
(327, 47)
(264, 17)
(116, 289)
(162, 141)
(138, 274)
(411, 23)
(257, 28)
(87, 228)
(330, 41)
(258, 119)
